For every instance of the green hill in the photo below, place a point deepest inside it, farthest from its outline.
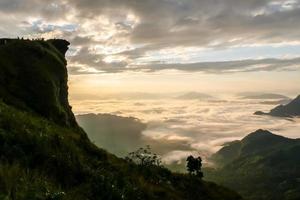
(119, 135)
(45, 155)
(262, 166)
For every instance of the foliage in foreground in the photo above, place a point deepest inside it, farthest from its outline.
(144, 157)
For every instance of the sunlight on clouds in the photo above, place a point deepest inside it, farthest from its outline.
(114, 58)
(122, 36)
(176, 81)
(111, 49)
(176, 156)
(108, 28)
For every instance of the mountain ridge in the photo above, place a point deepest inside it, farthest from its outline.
(291, 109)
(265, 96)
(259, 165)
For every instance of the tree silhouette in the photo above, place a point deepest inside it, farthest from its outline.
(194, 166)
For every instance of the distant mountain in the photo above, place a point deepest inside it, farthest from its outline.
(264, 96)
(292, 109)
(194, 96)
(276, 102)
(261, 166)
(119, 135)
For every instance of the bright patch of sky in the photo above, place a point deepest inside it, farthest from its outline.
(191, 55)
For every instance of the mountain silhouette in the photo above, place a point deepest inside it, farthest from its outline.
(292, 109)
(264, 96)
(261, 166)
(195, 96)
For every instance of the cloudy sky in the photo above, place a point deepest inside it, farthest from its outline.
(168, 45)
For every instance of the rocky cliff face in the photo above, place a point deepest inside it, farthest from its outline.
(33, 76)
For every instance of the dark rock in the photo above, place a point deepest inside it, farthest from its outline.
(259, 113)
(292, 109)
(61, 45)
(33, 76)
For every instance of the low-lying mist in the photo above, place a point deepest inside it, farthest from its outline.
(177, 127)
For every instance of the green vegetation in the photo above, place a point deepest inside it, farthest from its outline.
(144, 157)
(119, 135)
(45, 155)
(262, 166)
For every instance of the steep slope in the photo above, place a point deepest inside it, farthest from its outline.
(261, 166)
(292, 109)
(119, 135)
(44, 154)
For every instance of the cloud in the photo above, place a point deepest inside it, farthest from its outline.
(231, 66)
(184, 127)
(94, 60)
(127, 136)
(191, 22)
(271, 64)
(128, 31)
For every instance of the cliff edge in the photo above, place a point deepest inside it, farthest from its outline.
(33, 76)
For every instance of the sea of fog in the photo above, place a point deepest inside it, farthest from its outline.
(184, 126)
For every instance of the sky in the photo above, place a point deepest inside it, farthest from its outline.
(210, 46)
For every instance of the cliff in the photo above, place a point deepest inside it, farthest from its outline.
(33, 76)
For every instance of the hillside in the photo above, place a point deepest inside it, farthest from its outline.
(261, 166)
(292, 109)
(119, 135)
(44, 154)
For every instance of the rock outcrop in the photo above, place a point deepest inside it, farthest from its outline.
(33, 76)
